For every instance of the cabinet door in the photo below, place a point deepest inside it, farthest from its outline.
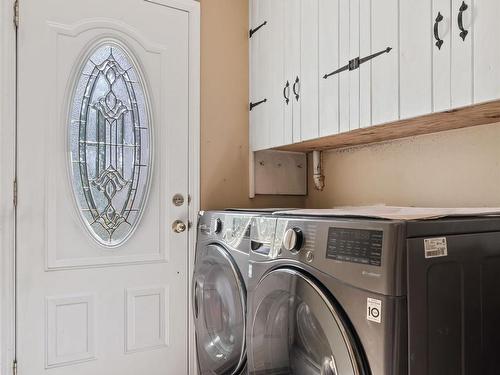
(329, 60)
(384, 68)
(344, 56)
(267, 119)
(441, 55)
(291, 13)
(486, 31)
(258, 134)
(461, 53)
(308, 80)
(416, 49)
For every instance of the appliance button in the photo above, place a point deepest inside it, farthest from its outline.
(309, 256)
(293, 240)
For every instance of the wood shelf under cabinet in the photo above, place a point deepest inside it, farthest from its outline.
(479, 114)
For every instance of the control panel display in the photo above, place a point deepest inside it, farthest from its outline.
(355, 245)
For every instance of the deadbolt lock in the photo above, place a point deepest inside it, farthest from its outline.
(178, 226)
(178, 200)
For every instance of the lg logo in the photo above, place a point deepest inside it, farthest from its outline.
(374, 310)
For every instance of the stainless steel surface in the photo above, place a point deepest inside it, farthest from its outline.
(384, 279)
(216, 226)
(346, 284)
(292, 240)
(219, 291)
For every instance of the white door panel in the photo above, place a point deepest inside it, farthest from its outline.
(307, 88)
(292, 29)
(385, 68)
(442, 55)
(354, 52)
(461, 55)
(329, 60)
(485, 30)
(82, 261)
(365, 48)
(344, 57)
(274, 67)
(416, 58)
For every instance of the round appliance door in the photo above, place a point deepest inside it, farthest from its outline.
(296, 329)
(219, 309)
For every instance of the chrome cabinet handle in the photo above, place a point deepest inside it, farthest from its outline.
(439, 41)
(463, 32)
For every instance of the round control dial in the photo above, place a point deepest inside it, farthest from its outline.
(293, 240)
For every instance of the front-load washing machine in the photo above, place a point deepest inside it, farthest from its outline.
(219, 289)
(340, 296)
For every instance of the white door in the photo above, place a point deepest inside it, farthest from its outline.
(102, 149)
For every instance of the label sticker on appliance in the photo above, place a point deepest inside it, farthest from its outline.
(435, 247)
(374, 310)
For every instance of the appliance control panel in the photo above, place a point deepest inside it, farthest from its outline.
(363, 253)
(355, 245)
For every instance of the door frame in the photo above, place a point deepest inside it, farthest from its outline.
(8, 168)
(8, 109)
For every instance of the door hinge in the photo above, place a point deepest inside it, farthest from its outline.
(16, 14)
(14, 193)
(14, 367)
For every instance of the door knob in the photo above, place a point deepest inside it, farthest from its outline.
(178, 226)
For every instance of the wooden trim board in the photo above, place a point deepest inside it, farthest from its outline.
(479, 114)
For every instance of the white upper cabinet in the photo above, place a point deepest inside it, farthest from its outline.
(331, 66)
(384, 39)
(307, 82)
(267, 74)
(283, 72)
(486, 34)
(329, 59)
(358, 59)
(415, 64)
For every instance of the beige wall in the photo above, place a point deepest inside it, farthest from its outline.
(224, 108)
(455, 168)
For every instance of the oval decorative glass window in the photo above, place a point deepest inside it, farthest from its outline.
(110, 144)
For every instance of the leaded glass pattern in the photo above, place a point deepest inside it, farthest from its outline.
(110, 144)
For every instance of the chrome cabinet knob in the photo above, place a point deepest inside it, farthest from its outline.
(178, 226)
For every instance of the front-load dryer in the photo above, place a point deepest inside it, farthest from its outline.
(363, 296)
(219, 289)
(307, 314)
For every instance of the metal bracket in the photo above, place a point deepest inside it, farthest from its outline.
(253, 105)
(253, 31)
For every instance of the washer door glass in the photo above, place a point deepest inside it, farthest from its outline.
(297, 330)
(219, 308)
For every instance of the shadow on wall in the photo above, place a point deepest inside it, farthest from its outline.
(224, 109)
(449, 169)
